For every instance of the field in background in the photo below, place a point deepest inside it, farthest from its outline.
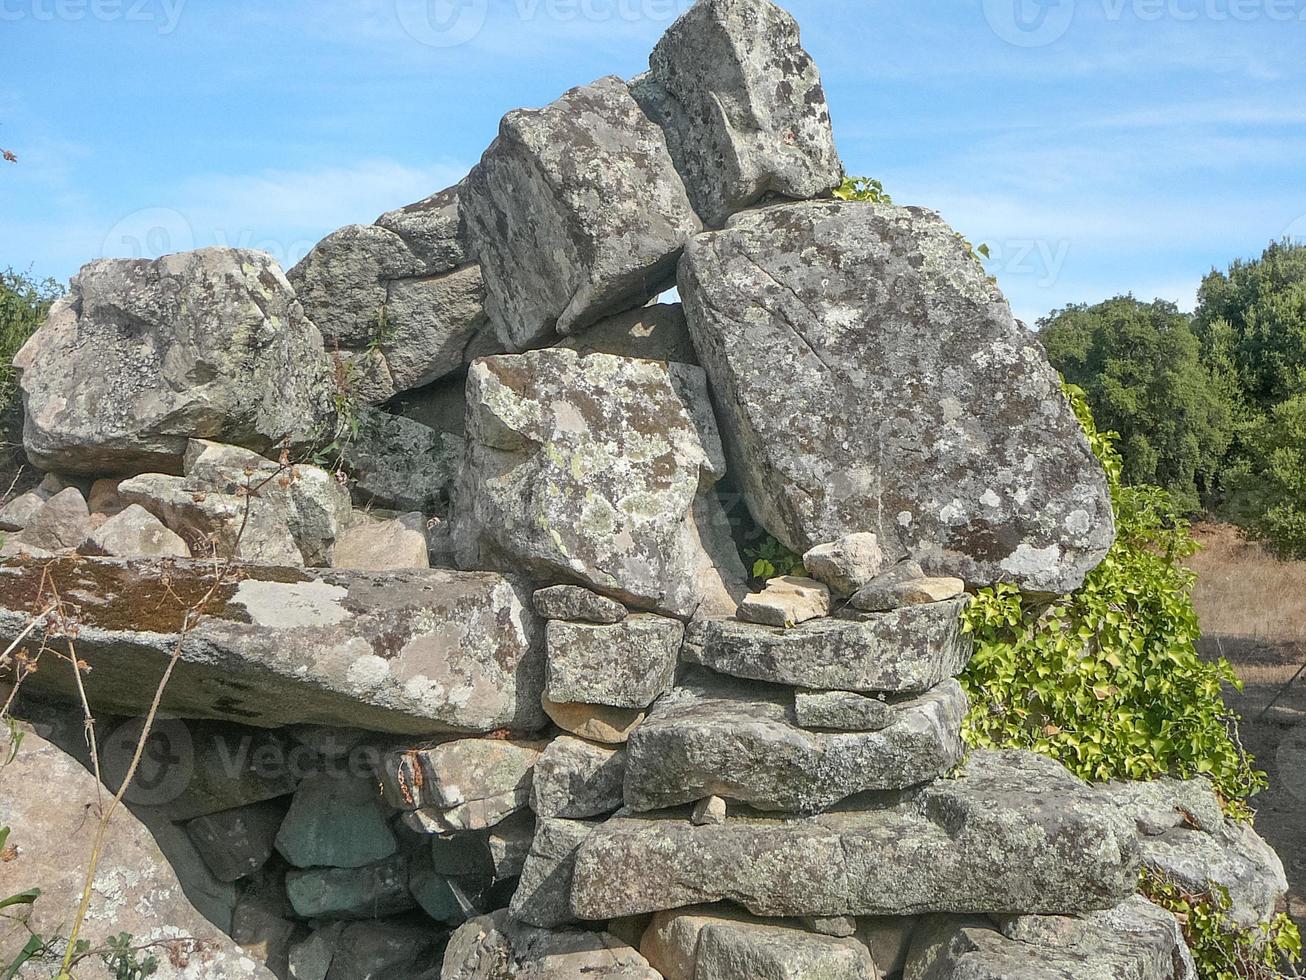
(1253, 612)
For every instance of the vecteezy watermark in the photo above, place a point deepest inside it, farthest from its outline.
(152, 232)
(163, 14)
(1039, 259)
(1290, 763)
(449, 23)
(1037, 23)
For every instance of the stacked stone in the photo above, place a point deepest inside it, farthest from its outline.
(588, 748)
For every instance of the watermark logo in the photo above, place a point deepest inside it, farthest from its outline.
(1039, 259)
(1029, 23)
(163, 15)
(442, 23)
(1289, 759)
(166, 767)
(154, 232)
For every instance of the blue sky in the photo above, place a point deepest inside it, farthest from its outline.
(1097, 146)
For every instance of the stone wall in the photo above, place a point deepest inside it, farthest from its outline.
(482, 688)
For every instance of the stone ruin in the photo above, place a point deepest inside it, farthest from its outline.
(518, 712)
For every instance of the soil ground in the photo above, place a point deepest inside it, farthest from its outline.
(1253, 612)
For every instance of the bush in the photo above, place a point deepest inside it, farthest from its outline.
(1107, 680)
(24, 302)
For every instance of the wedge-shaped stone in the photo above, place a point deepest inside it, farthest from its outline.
(405, 652)
(872, 378)
(627, 665)
(494, 947)
(722, 737)
(236, 843)
(371, 892)
(458, 772)
(143, 355)
(336, 821)
(543, 897)
(577, 605)
(567, 238)
(841, 710)
(597, 470)
(742, 105)
(135, 533)
(1136, 940)
(575, 779)
(1015, 833)
(906, 651)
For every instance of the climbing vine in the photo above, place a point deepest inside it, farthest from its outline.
(1108, 680)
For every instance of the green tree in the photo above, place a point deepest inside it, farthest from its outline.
(24, 302)
(1267, 482)
(1140, 367)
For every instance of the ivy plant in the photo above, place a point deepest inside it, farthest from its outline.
(1108, 680)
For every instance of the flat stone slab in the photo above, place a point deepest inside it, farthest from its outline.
(906, 651)
(727, 738)
(627, 665)
(413, 652)
(1015, 833)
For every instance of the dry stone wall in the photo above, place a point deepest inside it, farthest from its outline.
(485, 692)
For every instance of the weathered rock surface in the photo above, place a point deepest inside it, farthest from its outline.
(724, 944)
(399, 464)
(627, 665)
(373, 891)
(455, 773)
(905, 584)
(497, 854)
(19, 512)
(404, 652)
(383, 546)
(565, 242)
(544, 894)
(577, 605)
(1015, 833)
(597, 470)
(874, 379)
(742, 106)
(786, 602)
(651, 333)
(135, 533)
(137, 889)
(336, 821)
(846, 565)
(236, 843)
(721, 737)
(495, 947)
(62, 523)
(473, 815)
(144, 355)
(1136, 940)
(841, 710)
(907, 651)
(596, 722)
(575, 779)
(378, 950)
(1186, 839)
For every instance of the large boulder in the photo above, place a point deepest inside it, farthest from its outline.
(721, 737)
(1015, 833)
(406, 652)
(597, 470)
(143, 355)
(151, 882)
(400, 302)
(399, 464)
(742, 106)
(576, 212)
(871, 377)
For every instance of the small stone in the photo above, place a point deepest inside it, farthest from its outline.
(762, 951)
(400, 464)
(924, 590)
(310, 958)
(495, 947)
(383, 949)
(596, 722)
(786, 602)
(135, 533)
(498, 853)
(336, 821)
(839, 926)
(20, 511)
(372, 891)
(577, 605)
(383, 546)
(103, 498)
(879, 594)
(61, 524)
(236, 843)
(456, 773)
(448, 900)
(847, 564)
(575, 779)
(628, 665)
(888, 937)
(543, 897)
(709, 812)
(472, 815)
(840, 711)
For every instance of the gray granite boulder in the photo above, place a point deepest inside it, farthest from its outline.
(338, 821)
(369, 892)
(872, 378)
(652, 333)
(575, 779)
(236, 843)
(576, 213)
(742, 106)
(907, 651)
(143, 355)
(1135, 940)
(577, 605)
(841, 710)
(135, 533)
(1015, 833)
(494, 947)
(397, 464)
(61, 524)
(626, 665)
(454, 773)
(544, 895)
(597, 470)
(722, 737)
(407, 652)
